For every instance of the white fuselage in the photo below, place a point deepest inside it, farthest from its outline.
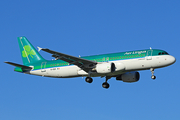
(129, 65)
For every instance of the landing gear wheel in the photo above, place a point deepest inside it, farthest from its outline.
(89, 79)
(105, 85)
(152, 72)
(153, 77)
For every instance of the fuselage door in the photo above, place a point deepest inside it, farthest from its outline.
(149, 55)
(43, 66)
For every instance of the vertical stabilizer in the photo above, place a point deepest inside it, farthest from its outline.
(28, 53)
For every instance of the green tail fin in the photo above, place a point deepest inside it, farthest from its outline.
(28, 52)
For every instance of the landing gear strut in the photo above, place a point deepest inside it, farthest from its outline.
(89, 79)
(106, 84)
(152, 72)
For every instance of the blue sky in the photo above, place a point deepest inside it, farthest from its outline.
(81, 27)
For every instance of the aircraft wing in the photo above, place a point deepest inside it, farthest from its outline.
(84, 64)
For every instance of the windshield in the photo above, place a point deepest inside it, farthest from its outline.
(163, 53)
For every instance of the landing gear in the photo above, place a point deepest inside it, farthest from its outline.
(152, 72)
(106, 84)
(89, 79)
(153, 77)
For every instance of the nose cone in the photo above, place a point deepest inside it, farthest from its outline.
(171, 60)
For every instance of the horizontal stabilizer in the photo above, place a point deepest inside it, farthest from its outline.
(20, 66)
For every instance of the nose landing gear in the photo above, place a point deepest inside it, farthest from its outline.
(152, 72)
(153, 77)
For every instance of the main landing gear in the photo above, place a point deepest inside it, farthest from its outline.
(152, 72)
(89, 79)
(104, 85)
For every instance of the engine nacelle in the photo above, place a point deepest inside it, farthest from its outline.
(119, 66)
(129, 77)
(105, 67)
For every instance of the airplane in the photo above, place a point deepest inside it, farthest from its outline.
(122, 65)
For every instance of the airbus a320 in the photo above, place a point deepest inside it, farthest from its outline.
(122, 65)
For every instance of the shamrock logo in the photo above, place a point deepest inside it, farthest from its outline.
(28, 51)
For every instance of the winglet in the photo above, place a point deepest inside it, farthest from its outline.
(39, 48)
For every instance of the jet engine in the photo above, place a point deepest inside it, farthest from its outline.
(105, 67)
(129, 77)
(119, 66)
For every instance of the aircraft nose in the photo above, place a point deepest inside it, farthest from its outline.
(172, 59)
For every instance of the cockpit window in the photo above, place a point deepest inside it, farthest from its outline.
(163, 53)
(166, 53)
